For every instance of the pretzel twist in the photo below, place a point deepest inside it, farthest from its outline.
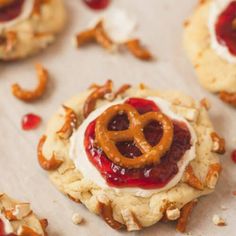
(108, 139)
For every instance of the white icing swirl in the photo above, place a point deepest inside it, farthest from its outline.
(89, 171)
(216, 8)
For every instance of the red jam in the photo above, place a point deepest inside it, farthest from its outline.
(97, 4)
(2, 230)
(233, 156)
(226, 29)
(11, 11)
(30, 121)
(151, 176)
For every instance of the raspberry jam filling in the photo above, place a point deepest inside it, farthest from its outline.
(11, 11)
(2, 230)
(226, 28)
(149, 177)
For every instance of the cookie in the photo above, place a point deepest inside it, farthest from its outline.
(210, 56)
(17, 218)
(90, 154)
(28, 26)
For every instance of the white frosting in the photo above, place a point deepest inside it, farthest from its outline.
(7, 225)
(89, 171)
(216, 8)
(118, 24)
(25, 13)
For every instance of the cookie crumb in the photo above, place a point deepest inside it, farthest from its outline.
(219, 221)
(77, 218)
(224, 208)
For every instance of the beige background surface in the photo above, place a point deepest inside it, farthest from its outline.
(160, 27)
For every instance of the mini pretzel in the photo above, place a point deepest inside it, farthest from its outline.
(46, 164)
(138, 50)
(107, 139)
(70, 123)
(28, 96)
(98, 93)
(228, 97)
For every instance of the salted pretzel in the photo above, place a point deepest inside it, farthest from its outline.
(150, 155)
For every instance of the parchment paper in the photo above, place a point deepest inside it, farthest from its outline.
(72, 70)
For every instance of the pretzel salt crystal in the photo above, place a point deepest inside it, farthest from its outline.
(108, 139)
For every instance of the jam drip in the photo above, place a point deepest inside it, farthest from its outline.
(226, 28)
(11, 11)
(151, 176)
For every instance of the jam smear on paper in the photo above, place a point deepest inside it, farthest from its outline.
(150, 177)
(11, 11)
(30, 121)
(226, 28)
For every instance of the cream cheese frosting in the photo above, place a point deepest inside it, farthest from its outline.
(83, 164)
(216, 8)
(118, 24)
(27, 9)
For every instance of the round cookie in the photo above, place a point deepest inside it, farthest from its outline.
(33, 31)
(214, 73)
(17, 218)
(127, 209)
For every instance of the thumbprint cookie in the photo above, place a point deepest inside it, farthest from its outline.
(28, 26)
(210, 42)
(133, 155)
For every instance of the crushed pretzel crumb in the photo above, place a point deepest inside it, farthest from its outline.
(219, 221)
(77, 218)
(218, 143)
(205, 103)
(229, 98)
(135, 47)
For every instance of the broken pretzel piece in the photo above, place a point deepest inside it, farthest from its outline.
(70, 124)
(27, 231)
(218, 143)
(96, 34)
(212, 175)
(98, 93)
(135, 47)
(51, 164)
(107, 214)
(29, 96)
(191, 179)
(11, 39)
(184, 216)
(229, 98)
